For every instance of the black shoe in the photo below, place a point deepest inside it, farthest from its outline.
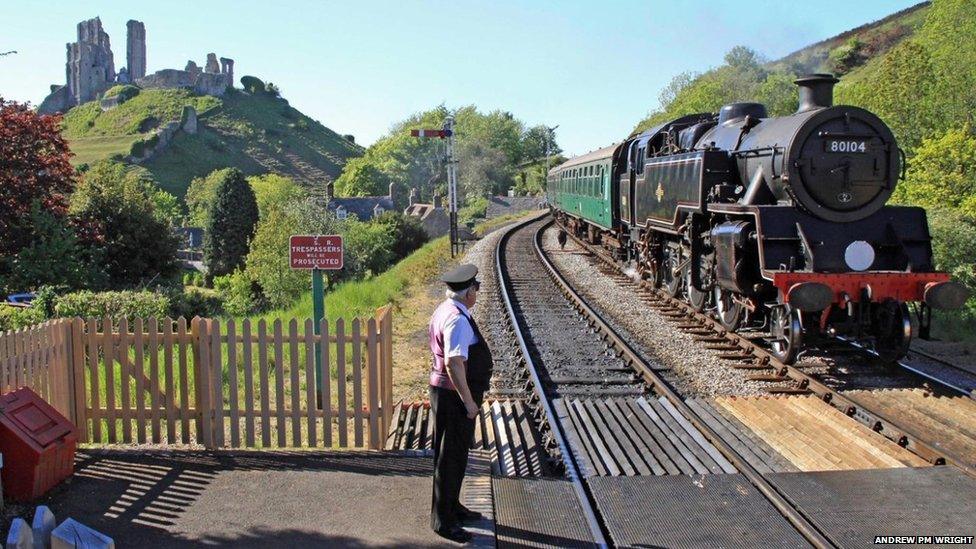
(467, 515)
(454, 533)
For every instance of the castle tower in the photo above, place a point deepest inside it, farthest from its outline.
(90, 66)
(135, 49)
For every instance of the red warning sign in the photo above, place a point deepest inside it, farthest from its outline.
(315, 252)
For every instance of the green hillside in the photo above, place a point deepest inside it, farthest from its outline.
(851, 49)
(746, 76)
(257, 133)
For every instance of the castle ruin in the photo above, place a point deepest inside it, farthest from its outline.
(90, 69)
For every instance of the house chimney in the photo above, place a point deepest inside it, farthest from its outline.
(437, 201)
(412, 199)
(816, 91)
(392, 186)
(330, 190)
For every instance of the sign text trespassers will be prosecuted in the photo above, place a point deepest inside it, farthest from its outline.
(315, 252)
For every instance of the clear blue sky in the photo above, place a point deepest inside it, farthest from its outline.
(594, 68)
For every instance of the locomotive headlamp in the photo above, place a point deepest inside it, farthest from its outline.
(859, 255)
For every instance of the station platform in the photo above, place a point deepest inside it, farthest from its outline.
(187, 498)
(179, 498)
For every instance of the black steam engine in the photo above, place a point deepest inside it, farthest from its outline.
(778, 223)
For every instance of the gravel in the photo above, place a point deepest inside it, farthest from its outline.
(490, 314)
(694, 370)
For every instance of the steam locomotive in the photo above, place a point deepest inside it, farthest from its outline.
(778, 224)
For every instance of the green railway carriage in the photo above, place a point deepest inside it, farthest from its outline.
(580, 187)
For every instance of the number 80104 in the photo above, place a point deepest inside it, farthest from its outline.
(846, 146)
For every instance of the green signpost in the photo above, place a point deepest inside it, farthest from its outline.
(317, 253)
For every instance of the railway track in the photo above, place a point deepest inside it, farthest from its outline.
(610, 414)
(749, 354)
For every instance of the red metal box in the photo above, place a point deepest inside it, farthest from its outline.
(38, 445)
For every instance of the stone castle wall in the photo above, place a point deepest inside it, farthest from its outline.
(90, 69)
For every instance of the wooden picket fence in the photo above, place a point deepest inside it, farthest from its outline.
(39, 357)
(218, 384)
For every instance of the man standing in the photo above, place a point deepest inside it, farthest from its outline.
(459, 377)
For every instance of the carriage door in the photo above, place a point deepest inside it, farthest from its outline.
(627, 186)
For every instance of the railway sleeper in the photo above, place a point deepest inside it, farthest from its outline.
(750, 366)
(775, 378)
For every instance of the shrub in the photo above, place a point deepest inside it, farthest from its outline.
(252, 84)
(476, 208)
(193, 302)
(14, 318)
(125, 92)
(237, 292)
(407, 232)
(127, 304)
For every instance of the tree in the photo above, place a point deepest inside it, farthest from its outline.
(267, 260)
(273, 191)
(200, 196)
(407, 231)
(534, 142)
(779, 94)
(230, 224)
(674, 88)
(483, 170)
(942, 173)
(54, 257)
(134, 245)
(34, 169)
(743, 57)
(252, 84)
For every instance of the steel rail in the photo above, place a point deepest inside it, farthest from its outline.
(799, 521)
(556, 428)
(902, 435)
(928, 356)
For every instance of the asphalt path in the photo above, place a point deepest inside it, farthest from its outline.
(251, 499)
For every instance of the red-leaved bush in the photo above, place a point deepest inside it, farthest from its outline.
(34, 166)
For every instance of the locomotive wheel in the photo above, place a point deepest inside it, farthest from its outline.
(697, 298)
(787, 332)
(671, 280)
(700, 299)
(730, 312)
(893, 329)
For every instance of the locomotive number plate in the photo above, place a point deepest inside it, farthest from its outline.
(845, 146)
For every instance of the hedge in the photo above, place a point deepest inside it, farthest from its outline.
(128, 304)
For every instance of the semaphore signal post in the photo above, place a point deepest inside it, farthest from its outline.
(447, 133)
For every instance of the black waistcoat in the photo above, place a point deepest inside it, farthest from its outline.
(479, 366)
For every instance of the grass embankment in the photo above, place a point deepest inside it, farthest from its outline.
(145, 111)
(88, 150)
(409, 286)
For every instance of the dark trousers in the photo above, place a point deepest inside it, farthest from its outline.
(453, 433)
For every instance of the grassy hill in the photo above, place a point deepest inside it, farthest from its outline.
(257, 133)
(875, 39)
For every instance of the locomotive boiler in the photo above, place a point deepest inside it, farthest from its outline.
(776, 224)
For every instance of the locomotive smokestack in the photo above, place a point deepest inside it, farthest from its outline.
(816, 91)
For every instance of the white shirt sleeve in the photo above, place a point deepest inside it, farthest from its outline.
(458, 336)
